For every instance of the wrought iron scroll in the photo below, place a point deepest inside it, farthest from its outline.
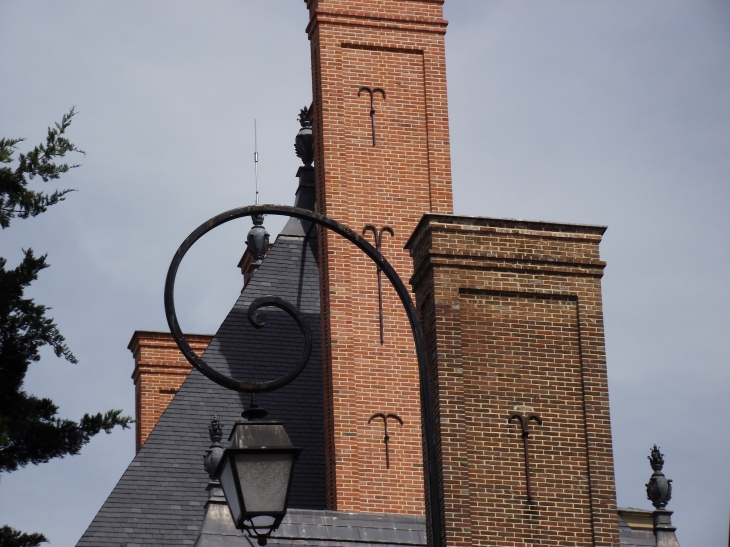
(372, 92)
(524, 421)
(429, 438)
(386, 437)
(257, 322)
(378, 235)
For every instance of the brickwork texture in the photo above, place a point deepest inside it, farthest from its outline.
(396, 46)
(513, 318)
(159, 371)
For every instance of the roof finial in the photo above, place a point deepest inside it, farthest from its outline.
(213, 455)
(257, 242)
(215, 430)
(659, 488)
(303, 142)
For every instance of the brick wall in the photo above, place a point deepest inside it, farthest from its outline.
(397, 46)
(159, 371)
(513, 319)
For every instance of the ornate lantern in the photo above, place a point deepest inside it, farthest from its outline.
(255, 472)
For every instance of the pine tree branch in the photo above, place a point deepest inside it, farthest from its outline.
(16, 200)
(10, 537)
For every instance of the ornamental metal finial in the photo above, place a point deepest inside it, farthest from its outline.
(656, 459)
(257, 242)
(659, 488)
(215, 430)
(213, 455)
(303, 141)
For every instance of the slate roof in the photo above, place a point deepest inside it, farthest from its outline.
(160, 498)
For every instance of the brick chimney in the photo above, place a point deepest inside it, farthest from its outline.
(380, 124)
(513, 321)
(159, 371)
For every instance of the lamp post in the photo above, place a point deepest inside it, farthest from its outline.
(236, 457)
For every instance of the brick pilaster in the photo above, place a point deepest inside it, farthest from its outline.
(159, 371)
(512, 314)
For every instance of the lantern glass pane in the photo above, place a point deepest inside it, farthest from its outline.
(264, 480)
(228, 482)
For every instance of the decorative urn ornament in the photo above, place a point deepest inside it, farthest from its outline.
(303, 141)
(659, 488)
(257, 242)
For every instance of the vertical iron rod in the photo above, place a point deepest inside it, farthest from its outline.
(524, 421)
(378, 235)
(372, 92)
(380, 304)
(387, 451)
(527, 466)
(372, 119)
(386, 437)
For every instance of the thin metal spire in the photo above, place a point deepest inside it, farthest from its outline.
(256, 159)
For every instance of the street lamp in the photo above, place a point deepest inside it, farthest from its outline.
(238, 460)
(255, 473)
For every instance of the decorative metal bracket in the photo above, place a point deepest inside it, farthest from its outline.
(524, 421)
(372, 92)
(378, 235)
(430, 467)
(386, 437)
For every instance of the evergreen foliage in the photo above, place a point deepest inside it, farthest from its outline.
(13, 538)
(30, 430)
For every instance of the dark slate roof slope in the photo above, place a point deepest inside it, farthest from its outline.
(160, 498)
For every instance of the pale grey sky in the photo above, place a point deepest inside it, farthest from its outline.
(614, 113)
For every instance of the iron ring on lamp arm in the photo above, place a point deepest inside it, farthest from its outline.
(431, 471)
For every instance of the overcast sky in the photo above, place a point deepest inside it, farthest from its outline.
(614, 113)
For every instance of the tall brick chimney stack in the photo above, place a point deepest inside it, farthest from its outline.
(513, 321)
(382, 159)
